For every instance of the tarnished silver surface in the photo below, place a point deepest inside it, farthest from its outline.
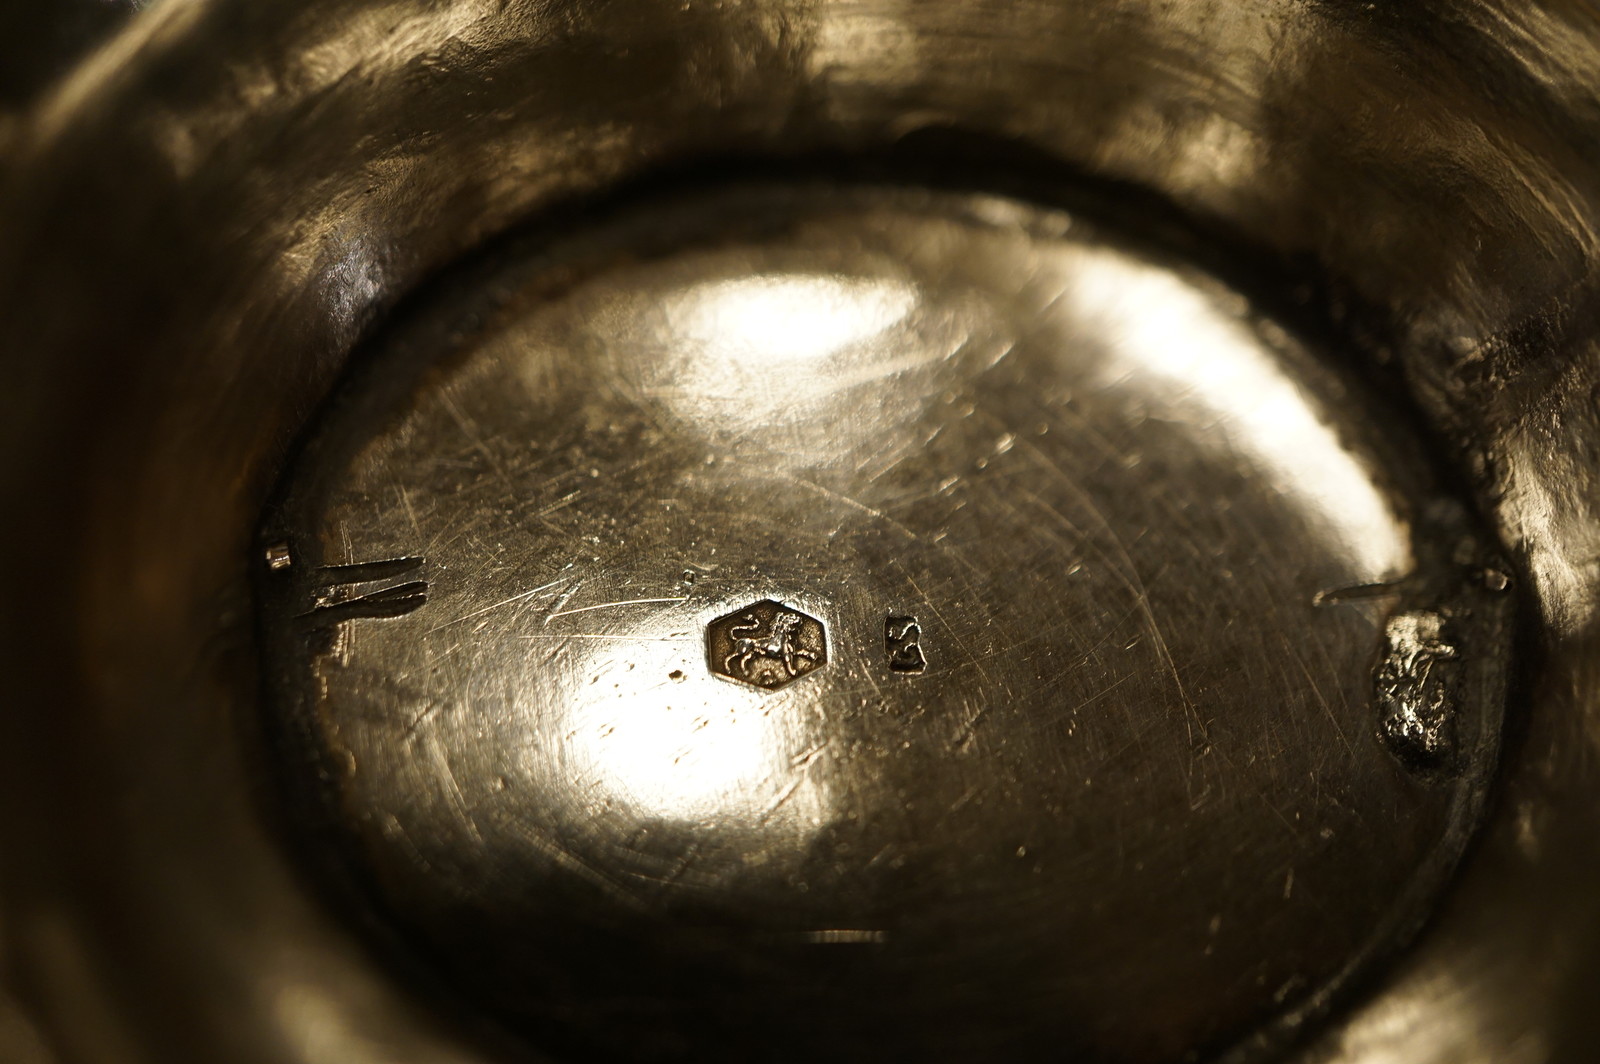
(1175, 588)
(200, 224)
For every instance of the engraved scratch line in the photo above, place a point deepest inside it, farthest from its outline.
(976, 659)
(498, 605)
(387, 588)
(857, 505)
(614, 605)
(559, 604)
(564, 636)
(1129, 572)
(466, 426)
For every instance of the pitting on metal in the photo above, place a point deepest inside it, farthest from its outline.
(1413, 689)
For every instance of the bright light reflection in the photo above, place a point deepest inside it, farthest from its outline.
(317, 1025)
(1432, 1019)
(691, 749)
(1562, 554)
(753, 323)
(1225, 380)
(751, 348)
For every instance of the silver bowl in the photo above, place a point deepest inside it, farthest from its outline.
(224, 210)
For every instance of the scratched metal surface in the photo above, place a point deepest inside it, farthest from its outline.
(207, 215)
(1135, 804)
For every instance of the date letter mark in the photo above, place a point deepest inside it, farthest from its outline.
(902, 637)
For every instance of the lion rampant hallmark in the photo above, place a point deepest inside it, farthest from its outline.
(766, 645)
(778, 645)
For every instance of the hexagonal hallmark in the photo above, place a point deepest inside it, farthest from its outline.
(766, 644)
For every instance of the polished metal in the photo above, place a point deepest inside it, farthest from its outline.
(1209, 681)
(207, 222)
